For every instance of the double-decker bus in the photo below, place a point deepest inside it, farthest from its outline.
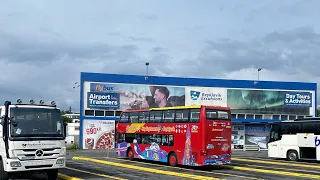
(295, 140)
(186, 135)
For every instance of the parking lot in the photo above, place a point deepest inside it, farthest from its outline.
(245, 165)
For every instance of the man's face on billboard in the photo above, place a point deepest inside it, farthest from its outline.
(158, 96)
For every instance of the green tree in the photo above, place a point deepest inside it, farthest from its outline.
(318, 112)
(63, 112)
(66, 119)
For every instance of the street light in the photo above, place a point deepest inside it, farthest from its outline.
(259, 69)
(147, 68)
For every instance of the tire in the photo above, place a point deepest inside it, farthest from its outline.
(52, 174)
(130, 154)
(173, 160)
(292, 155)
(3, 174)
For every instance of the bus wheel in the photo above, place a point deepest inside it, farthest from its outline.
(173, 160)
(292, 155)
(130, 154)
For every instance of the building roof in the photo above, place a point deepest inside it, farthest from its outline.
(202, 82)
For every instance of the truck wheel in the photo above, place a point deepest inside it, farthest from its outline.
(52, 174)
(3, 174)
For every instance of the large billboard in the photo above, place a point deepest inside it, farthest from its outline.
(116, 96)
(132, 96)
(269, 101)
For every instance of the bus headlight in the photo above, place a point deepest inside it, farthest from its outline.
(60, 161)
(15, 164)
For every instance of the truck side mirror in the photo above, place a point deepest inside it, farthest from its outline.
(1, 120)
(65, 129)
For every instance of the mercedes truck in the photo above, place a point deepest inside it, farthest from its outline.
(32, 139)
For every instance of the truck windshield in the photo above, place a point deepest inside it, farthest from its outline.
(36, 122)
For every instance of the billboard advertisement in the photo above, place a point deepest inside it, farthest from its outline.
(132, 96)
(101, 100)
(206, 96)
(256, 134)
(98, 134)
(298, 99)
(116, 96)
(269, 101)
(238, 136)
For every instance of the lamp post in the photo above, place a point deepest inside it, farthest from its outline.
(259, 69)
(147, 69)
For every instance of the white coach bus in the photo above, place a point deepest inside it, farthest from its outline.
(295, 140)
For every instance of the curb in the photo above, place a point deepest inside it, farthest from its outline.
(66, 177)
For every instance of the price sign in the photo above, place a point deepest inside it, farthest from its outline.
(93, 130)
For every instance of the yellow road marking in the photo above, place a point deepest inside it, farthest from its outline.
(96, 174)
(66, 177)
(170, 173)
(286, 173)
(192, 170)
(277, 163)
(284, 168)
(273, 160)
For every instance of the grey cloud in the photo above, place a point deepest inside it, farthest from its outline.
(158, 50)
(142, 39)
(48, 70)
(300, 8)
(114, 34)
(290, 52)
(147, 16)
(22, 50)
(287, 51)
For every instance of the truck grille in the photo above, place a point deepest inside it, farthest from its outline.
(36, 154)
(36, 167)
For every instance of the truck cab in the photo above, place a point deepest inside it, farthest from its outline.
(32, 139)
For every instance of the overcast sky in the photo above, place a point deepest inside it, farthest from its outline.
(44, 45)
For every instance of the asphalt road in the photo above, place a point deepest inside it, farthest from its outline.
(38, 176)
(245, 165)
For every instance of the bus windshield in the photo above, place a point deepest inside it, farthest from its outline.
(213, 114)
(274, 133)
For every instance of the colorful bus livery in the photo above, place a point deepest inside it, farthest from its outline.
(187, 135)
